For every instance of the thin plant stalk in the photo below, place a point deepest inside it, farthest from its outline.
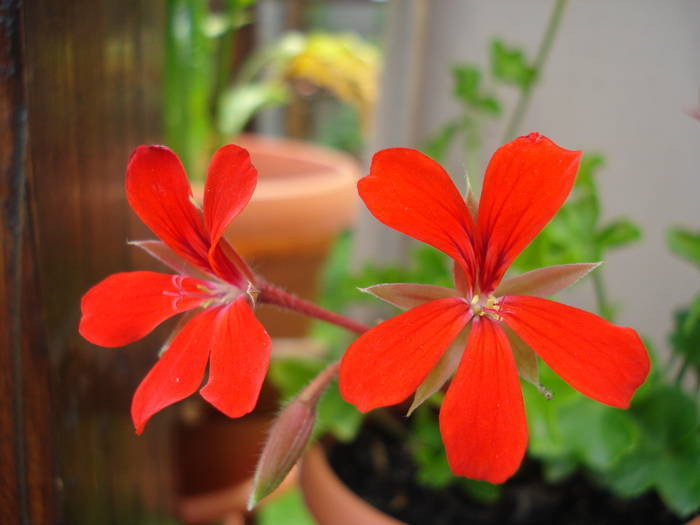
(270, 294)
(538, 66)
(601, 296)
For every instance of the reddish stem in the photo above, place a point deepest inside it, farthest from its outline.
(313, 391)
(270, 294)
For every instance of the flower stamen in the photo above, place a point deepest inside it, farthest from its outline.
(488, 307)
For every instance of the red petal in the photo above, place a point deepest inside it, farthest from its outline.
(526, 182)
(230, 183)
(229, 265)
(599, 359)
(178, 373)
(385, 365)
(239, 360)
(411, 193)
(126, 306)
(158, 191)
(482, 420)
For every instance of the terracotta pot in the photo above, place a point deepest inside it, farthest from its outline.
(330, 501)
(305, 196)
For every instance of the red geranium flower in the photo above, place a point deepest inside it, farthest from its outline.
(210, 275)
(482, 419)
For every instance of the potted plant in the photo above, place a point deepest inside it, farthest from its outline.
(453, 356)
(612, 463)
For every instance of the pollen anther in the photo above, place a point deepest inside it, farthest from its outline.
(489, 307)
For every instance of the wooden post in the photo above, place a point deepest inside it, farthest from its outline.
(79, 89)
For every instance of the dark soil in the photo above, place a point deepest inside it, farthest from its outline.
(378, 467)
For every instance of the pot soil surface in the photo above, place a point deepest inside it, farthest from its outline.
(379, 468)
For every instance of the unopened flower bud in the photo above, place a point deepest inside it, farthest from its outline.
(288, 437)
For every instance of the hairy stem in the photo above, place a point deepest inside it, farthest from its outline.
(313, 391)
(270, 294)
(538, 66)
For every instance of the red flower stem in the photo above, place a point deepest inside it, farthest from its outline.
(312, 392)
(270, 294)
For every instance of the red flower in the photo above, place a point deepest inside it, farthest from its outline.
(482, 419)
(210, 276)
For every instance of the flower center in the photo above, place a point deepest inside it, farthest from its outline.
(220, 294)
(486, 306)
(213, 293)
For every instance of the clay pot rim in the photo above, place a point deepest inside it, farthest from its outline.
(346, 507)
(330, 170)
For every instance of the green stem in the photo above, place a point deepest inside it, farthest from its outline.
(537, 66)
(601, 296)
(681, 373)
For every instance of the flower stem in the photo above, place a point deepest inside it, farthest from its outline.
(601, 296)
(270, 294)
(537, 66)
(313, 391)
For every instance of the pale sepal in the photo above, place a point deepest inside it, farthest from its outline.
(409, 295)
(545, 282)
(164, 254)
(470, 199)
(441, 372)
(460, 280)
(525, 361)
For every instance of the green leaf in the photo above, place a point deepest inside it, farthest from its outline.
(558, 469)
(427, 450)
(291, 375)
(337, 416)
(547, 441)
(289, 508)
(685, 336)
(481, 491)
(617, 234)
(669, 452)
(240, 103)
(490, 105)
(510, 66)
(467, 81)
(679, 476)
(636, 472)
(668, 413)
(467, 89)
(599, 435)
(685, 244)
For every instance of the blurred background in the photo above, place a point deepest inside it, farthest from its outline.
(312, 88)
